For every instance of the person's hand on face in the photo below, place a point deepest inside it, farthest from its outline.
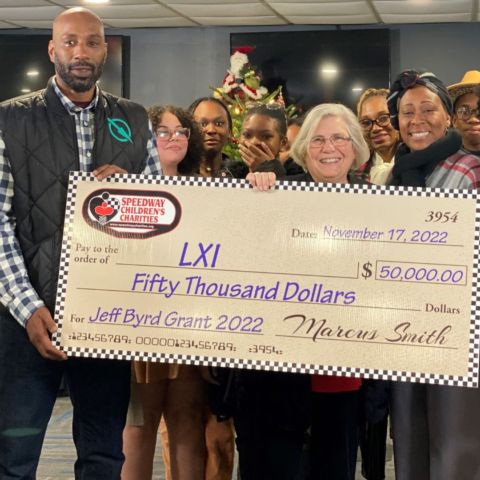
(253, 154)
(260, 140)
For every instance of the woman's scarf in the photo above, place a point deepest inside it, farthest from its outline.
(412, 168)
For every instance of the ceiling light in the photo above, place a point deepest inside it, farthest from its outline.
(357, 89)
(32, 73)
(97, 1)
(329, 70)
(25, 90)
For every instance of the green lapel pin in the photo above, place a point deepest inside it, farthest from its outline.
(119, 130)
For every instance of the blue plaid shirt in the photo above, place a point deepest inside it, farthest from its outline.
(16, 291)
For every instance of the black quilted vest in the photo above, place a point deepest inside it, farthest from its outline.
(41, 146)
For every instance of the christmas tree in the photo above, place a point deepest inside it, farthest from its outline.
(241, 89)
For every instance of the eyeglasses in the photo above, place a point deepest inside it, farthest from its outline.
(335, 140)
(165, 134)
(466, 113)
(382, 120)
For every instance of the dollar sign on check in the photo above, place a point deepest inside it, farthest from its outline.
(367, 272)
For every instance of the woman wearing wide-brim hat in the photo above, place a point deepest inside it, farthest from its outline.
(436, 429)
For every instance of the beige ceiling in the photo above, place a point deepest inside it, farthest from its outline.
(193, 13)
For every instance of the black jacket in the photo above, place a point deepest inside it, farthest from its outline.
(41, 148)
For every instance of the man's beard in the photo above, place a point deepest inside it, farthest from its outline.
(78, 84)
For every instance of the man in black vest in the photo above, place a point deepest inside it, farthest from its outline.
(43, 136)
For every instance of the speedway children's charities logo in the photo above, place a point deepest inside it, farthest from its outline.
(132, 213)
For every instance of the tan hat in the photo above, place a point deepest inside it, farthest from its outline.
(470, 80)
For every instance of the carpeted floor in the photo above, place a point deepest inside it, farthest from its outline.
(58, 453)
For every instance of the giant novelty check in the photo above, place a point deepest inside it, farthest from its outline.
(348, 280)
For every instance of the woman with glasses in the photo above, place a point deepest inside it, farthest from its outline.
(383, 140)
(175, 391)
(329, 146)
(436, 429)
(381, 137)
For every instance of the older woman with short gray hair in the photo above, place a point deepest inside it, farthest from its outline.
(329, 144)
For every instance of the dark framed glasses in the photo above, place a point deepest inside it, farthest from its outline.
(165, 133)
(466, 113)
(382, 120)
